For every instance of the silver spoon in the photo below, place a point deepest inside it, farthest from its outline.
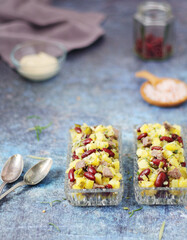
(11, 170)
(33, 176)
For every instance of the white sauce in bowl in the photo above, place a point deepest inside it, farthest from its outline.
(40, 66)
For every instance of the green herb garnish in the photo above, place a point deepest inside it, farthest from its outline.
(161, 230)
(128, 155)
(127, 197)
(138, 173)
(35, 157)
(33, 116)
(51, 203)
(176, 151)
(57, 228)
(130, 178)
(126, 208)
(133, 211)
(39, 130)
(160, 136)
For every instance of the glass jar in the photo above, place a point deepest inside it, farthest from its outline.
(153, 30)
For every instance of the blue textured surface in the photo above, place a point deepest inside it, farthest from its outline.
(103, 77)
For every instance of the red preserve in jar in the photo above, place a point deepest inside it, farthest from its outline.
(153, 30)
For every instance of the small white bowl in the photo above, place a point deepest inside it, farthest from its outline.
(43, 72)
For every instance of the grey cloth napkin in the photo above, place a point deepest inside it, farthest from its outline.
(28, 20)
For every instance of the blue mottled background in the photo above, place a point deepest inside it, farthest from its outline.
(95, 85)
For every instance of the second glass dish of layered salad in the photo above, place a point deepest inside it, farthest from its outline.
(160, 152)
(95, 158)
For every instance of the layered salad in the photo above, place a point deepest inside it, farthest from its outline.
(160, 154)
(94, 157)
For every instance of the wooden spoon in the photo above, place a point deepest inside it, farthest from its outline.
(154, 80)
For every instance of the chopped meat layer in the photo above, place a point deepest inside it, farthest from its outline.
(98, 186)
(146, 142)
(111, 144)
(157, 154)
(80, 164)
(107, 172)
(167, 126)
(116, 133)
(175, 173)
(104, 163)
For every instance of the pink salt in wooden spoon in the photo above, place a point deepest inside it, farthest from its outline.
(162, 92)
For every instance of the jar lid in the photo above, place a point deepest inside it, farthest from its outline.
(155, 13)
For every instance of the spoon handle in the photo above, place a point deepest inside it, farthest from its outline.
(22, 183)
(149, 76)
(2, 186)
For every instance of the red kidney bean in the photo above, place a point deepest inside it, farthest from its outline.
(78, 130)
(108, 186)
(183, 164)
(71, 175)
(157, 148)
(91, 170)
(138, 130)
(174, 136)
(144, 172)
(142, 136)
(111, 154)
(87, 141)
(160, 179)
(75, 156)
(89, 176)
(179, 139)
(87, 153)
(165, 138)
(157, 162)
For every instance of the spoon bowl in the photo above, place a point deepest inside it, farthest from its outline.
(33, 176)
(38, 172)
(11, 170)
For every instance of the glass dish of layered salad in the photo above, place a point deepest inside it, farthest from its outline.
(160, 175)
(94, 172)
